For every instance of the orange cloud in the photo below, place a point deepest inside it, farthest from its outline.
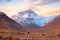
(12, 11)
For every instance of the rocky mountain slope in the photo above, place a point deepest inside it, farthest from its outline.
(30, 19)
(8, 23)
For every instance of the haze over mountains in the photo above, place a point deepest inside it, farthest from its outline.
(31, 19)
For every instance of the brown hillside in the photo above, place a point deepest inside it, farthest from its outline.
(6, 22)
(52, 29)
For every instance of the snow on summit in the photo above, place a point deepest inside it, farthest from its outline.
(30, 18)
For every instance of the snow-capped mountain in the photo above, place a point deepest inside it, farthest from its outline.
(29, 18)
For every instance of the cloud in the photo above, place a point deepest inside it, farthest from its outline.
(40, 2)
(47, 10)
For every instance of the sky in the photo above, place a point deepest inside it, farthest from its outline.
(41, 7)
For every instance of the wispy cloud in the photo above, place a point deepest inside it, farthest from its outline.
(41, 7)
(44, 7)
(40, 2)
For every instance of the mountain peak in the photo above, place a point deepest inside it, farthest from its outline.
(29, 11)
(2, 14)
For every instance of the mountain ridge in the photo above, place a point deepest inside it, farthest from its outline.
(5, 21)
(52, 25)
(29, 17)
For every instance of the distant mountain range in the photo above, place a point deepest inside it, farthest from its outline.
(30, 19)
